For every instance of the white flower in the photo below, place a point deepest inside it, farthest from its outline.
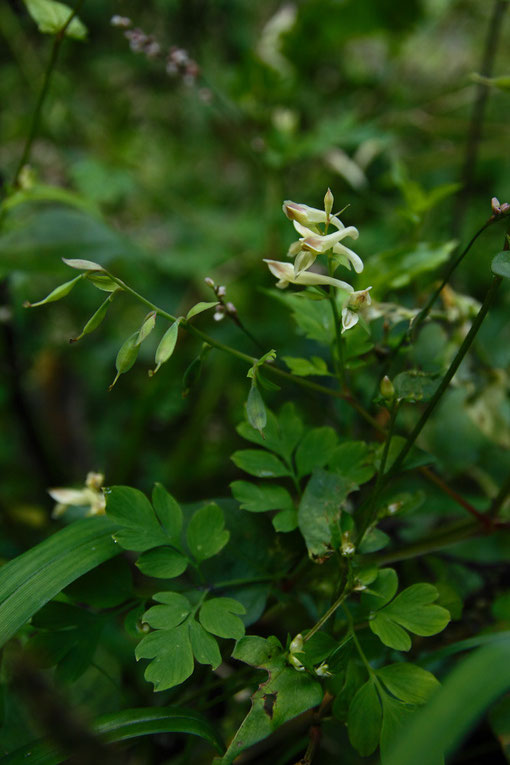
(313, 242)
(319, 243)
(357, 300)
(90, 496)
(284, 272)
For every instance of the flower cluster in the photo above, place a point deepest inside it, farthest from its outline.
(178, 63)
(313, 242)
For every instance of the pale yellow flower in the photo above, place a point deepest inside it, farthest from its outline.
(284, 272)
(90, 496)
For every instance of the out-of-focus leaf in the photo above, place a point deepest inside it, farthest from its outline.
(51, 16)
(472, 686)
(32, 579)
(124, 725)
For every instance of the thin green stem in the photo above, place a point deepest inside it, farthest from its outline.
(269, 368)
(465, 346)
(456, 532)
(368, 512)
(36, 117)
(332, 609)
(352, 631)
(454, 263)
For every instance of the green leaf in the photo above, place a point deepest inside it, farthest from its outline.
(382, 590)
(175, 609)
(501, 264)
(51, 16)
(315, 450)
(166, 346)
(285, 695)
(57, 294)
(320, 510)
(219, 617)
(205, 648)
(466, 693)
(397, 717)
(260, 498)
(124, 725)
(354, 461)
(163, 563)
(35, 577)
(305, 367)
(168, 512)
(412, 609)
(364, 720)
(198, 308)
(390, 633)
(414, 386)
(291, 429)
(259, 463)
(206, 534)
(170, 650)
(286, 520)
(256, 410)
(409, 683)
(132, 510)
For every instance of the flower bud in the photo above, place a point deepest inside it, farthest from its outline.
(221, 291)
(347, 547)
(496, 207)
(386, 388)
(296, 645)
(209, 281)
(328, 202)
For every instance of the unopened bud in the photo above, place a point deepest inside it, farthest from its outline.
(296, 645)
(496, 207)
(347, 547)
(231, 309)
(328, 202)
(221, 291)
(209, 281)
(387, 389)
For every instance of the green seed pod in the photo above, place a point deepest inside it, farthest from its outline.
(148, 325)
(256, 410)
(166, 346)
(95, 320)
(126, 356)
(102, 282)
(57, 294)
